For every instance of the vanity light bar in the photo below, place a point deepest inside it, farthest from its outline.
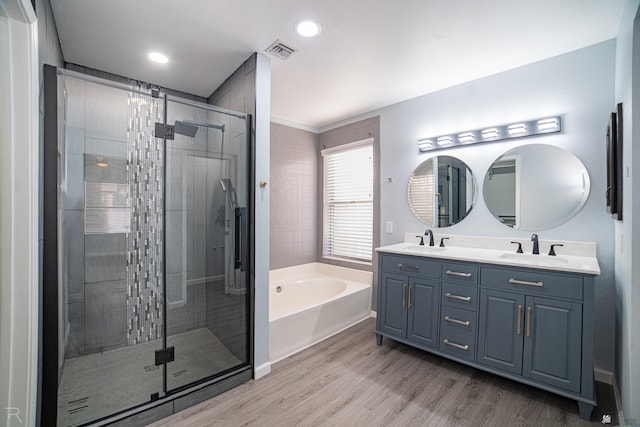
(494, 133)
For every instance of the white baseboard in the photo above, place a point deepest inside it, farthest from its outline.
(616, 395)
(374, 314)
(262, 370)
(603, 376)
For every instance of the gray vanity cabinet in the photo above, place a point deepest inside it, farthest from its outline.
(533, 336)
(527, 324)
(500, 330)
(552, 352)
(409, 305)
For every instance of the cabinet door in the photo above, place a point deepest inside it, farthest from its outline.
(392, 304)
(552, 343)
(501, 330)
(423, 302)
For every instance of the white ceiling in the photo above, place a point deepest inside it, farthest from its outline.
(371, 53)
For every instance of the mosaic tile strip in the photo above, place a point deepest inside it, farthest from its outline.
(144, 250)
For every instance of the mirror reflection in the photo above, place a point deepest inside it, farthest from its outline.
(441, 191)
(535, 187)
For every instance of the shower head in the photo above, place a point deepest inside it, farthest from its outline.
(186, 129)
(227, 187)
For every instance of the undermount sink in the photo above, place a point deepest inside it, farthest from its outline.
(535, 259)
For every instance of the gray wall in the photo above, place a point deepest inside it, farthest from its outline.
(579, 86)
(294, 196)
(627, 254)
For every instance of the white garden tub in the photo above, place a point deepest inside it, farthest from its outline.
(311, 302)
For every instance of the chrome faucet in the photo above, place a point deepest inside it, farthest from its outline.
(430, 234)
(536, 248)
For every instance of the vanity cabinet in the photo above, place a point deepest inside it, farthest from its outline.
(528, 324)
(410, 289)
(533, 336)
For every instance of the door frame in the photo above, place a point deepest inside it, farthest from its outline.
(19, 212)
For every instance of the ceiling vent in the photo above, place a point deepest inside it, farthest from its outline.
(280, 50)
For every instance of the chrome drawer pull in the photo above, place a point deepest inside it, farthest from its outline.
(404, 296)
(519, 329)
(415, 267)
(455, 273)
(452, 344)
(448, 295)
(524, 282)
(459, 322)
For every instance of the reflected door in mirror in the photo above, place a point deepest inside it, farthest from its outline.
(536, 187)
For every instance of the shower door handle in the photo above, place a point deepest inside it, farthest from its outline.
(241, 247)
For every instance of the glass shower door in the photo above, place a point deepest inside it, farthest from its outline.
(152, 247)
(206, 277)
(110, 301)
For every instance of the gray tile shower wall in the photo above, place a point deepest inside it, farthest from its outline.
(294, 196)
(226, 317)
(94, 267)
(190, 315)
(105, 315)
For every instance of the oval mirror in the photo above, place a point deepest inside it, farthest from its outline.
(441, 191)
(535, 187)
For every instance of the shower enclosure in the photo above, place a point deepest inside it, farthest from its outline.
(153, 247)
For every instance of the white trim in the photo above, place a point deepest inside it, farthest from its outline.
(603, 376)
(347, 147)
(19, 210)
(262, 370)
(374, 314)
(289, 123)
(616, 395)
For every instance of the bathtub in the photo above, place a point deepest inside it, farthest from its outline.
(311, 302)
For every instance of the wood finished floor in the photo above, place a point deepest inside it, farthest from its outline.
(349, 381)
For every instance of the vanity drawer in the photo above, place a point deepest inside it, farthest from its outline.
(414, 266)
(461, 273)
(459, 296)
(455, 319)
(458, 343)
(533, 282)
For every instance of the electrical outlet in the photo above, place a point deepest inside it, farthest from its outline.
(389, 226)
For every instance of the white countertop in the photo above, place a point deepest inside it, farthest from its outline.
(585, 264)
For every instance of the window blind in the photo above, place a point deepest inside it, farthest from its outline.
(422, 195)
(348, 201)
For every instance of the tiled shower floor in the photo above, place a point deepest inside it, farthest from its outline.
(100, 384)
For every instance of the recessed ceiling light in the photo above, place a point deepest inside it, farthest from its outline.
(308, 28)
(158, 57)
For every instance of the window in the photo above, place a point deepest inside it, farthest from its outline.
(348, 201)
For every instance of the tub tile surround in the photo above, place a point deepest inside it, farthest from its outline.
(578, 257)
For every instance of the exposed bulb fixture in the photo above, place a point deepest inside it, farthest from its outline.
(444, 140)
(425, 144)
(548, 124)
(490, 133)
(158, 57)
(466, 137)
(308, 28)
(517, 129)
(494, 133)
